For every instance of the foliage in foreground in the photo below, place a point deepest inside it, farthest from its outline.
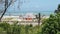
(6, 28)
(51, 25)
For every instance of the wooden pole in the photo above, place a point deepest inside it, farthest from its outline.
(39, 18)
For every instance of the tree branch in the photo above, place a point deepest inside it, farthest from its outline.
(6, 7)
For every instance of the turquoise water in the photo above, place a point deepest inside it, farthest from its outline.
(34, 12)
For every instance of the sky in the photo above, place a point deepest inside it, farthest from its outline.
(34, 5)
(42, 5)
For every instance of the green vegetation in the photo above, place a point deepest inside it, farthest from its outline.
(58, 9)
(18, 29)
(52, 24)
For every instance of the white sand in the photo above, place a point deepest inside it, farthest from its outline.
(18, 18)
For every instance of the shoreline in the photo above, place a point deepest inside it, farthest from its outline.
(21, 21)
(19, 16)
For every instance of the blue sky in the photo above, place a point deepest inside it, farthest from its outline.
(42, 5)
(35, 5)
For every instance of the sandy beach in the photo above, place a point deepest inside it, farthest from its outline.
(19, 18)
(11, 19)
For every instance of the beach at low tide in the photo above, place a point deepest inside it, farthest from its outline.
(22, 22)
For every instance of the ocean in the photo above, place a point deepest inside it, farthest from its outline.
(47, 13)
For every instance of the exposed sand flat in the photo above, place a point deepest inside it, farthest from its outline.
(21, 21)
(10, 16)
(18, 17)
